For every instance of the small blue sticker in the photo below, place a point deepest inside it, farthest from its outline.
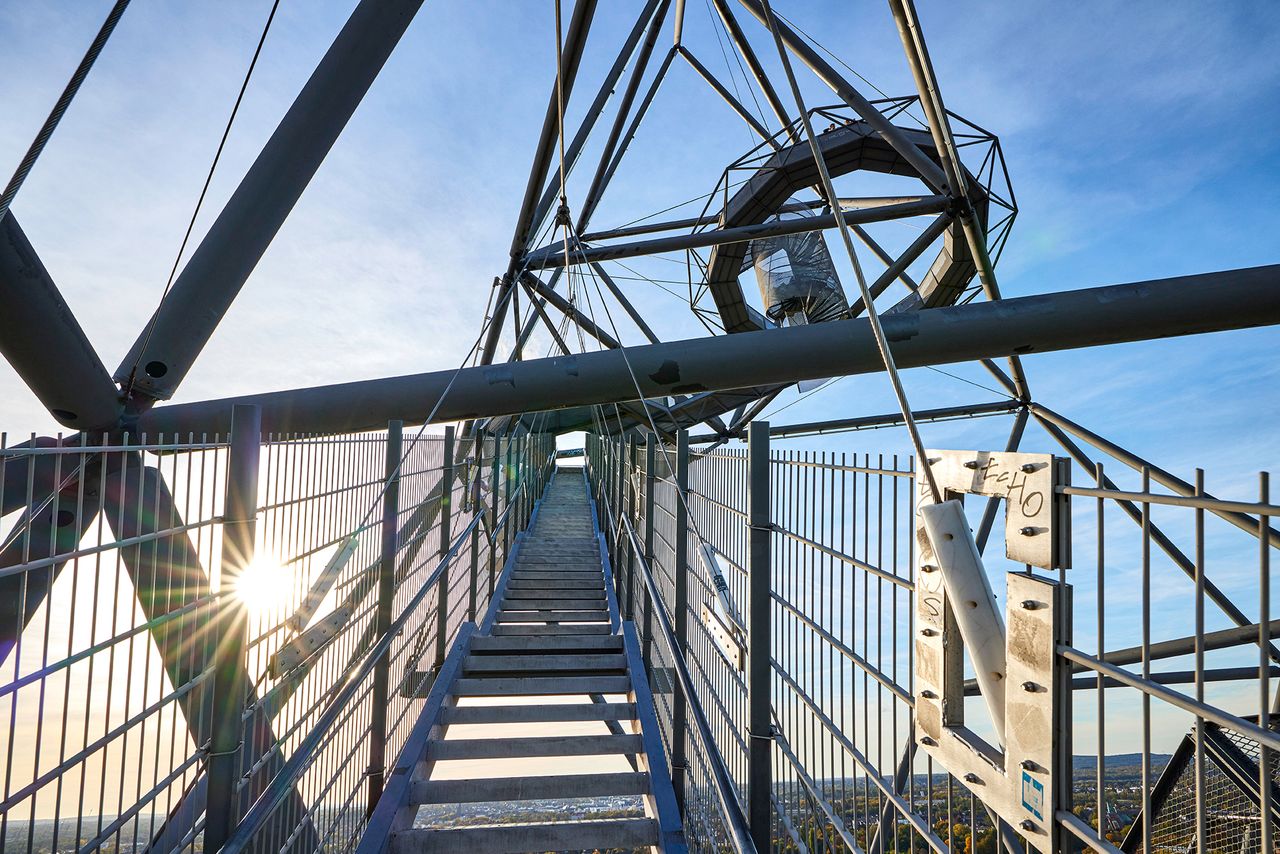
(1033, 795)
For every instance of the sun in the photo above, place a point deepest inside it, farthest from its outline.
(265, 585)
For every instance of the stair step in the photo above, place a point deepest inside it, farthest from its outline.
(535, 584)
(541, 713)
(529, 788)
(514, 686)
(571, 573)
(559, 594)
(542, 746)
(546, 644)
(513, 838)
(540, 663)
(536, 629)
(510, 604)
(547, 616)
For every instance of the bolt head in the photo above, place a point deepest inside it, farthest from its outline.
(1027, 824)
(972, 778)
(928, 742)
(972, 464)
(1027, 532)
(928, 695)
(1030, 605)
(1028, 468)
(1030, 687)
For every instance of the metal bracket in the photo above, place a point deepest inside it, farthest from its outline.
(1037, 517)
(1021, 784)
(1021, 678)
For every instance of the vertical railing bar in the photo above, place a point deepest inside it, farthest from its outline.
(1265, 777)
(382, 620)
(1201, 821)
(239, 526)
(759, 636)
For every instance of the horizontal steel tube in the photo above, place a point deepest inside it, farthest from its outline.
(553, 255)
(889, 419)
(1188, 305)
(791, 207)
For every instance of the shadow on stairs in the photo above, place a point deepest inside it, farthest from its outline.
(539, 733)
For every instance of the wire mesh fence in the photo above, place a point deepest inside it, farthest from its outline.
(1169, 653)
(116, 589)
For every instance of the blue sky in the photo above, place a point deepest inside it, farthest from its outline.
(1141, 138)
(1141, 141)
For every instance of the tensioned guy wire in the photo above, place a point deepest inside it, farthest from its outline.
(60, 107)
(882, 343)
(191, 224)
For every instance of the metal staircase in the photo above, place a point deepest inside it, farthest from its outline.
(553, 632)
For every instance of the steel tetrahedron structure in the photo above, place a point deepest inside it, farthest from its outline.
(390, 615)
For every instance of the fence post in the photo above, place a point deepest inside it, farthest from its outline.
(446, 491)
(506, 496)
(632, 454)
(680, 570)
(230, 675)
(650, 467)
(474, 462)
(493, 514)
(382, 617)
(446, 504)
(759, 636)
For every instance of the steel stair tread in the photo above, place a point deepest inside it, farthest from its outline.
(539, 713)
(515, 838)
(529, 788)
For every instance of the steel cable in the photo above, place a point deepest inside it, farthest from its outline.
(60, 106)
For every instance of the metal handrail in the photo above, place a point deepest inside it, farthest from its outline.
(282, 784)
(739, 831)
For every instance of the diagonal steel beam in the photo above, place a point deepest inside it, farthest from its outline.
(574, 42)
(596, 109)
(52, 527)
(167, 576)
(244, 229)
(929, 171)
(41, 339)
(1188, 305)
(727, 96)
(1243, 521)
(753, 62)
(567, 308)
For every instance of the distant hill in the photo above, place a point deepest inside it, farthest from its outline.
(1118, 760)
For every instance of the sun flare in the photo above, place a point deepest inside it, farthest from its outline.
(264, 585)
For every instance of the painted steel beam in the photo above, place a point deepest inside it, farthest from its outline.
(1187, 305)
(889, 419)
(257, 209)
(571, 56)
(928, 170)
(553, 255)
(567, 308)
(41, 339)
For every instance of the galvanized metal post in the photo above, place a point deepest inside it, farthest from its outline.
(630, 580)
(506, 495)
(650, 466)
(679, 711)
(382, 617)
(230, 674)
(446, 491)
(759, 636)
(493, 516)
(446, 504)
